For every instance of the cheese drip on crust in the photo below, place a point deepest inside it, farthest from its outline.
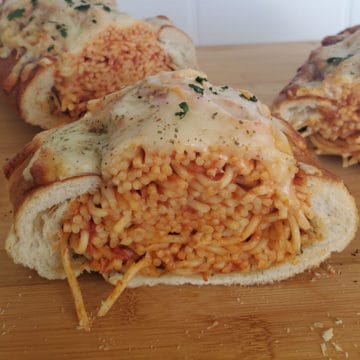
(322, 101)
(174, 180)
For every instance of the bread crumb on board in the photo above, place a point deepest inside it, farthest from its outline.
(338, 322)
(323, 271)
(214, 324)
(328, 334)
(323, 349)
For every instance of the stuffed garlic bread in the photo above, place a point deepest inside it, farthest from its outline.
(173, 180)
(323, 100)
(55, 56)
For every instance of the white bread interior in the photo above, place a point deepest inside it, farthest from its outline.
(32, 238)
(40, 112)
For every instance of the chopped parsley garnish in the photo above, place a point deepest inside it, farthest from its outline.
(200, 79)
(223, 88)
(84, 7)
(337, 60)
(50, 48)
(106, 8)
(197, 89)
(69, 2)
(34, 2)
(185, 108)
(62, 29)
(17, 13)
(94, 21)
(212, 90)
(252, 98)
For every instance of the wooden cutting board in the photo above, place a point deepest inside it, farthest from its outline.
(37, 317)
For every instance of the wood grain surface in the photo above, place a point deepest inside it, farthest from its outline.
(37, 317)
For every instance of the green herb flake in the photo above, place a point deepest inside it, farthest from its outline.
(34, 2)
(200, 79)
(336, 60)
(17, 13)
(212, 90)
(62, 29)
(197, 89)
(252, 98)
(50, 48)
(106, 8)
(185, 108)
(223, 88)
(69, 2)
(84, 7)
(213, 116)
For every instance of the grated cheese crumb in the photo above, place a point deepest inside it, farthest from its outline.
(215, 323)
(328, 334)
(338, 322)
(323, 349)
(330, 270)
(337, 347)
(319, 325)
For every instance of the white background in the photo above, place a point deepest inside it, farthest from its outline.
(222, 22)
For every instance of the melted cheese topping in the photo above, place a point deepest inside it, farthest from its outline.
(35, 26)
(150, 114)
(339, 62)
(53, 29)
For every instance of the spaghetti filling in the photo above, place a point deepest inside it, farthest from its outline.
(337, 131)
(189, 212)
(118, 57)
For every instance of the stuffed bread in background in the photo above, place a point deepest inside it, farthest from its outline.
(173, 180)
(322, 101)
(57, 55)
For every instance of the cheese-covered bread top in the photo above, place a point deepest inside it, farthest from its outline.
(322, 100)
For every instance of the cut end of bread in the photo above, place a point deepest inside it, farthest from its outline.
(37, 102)
(33, 238)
